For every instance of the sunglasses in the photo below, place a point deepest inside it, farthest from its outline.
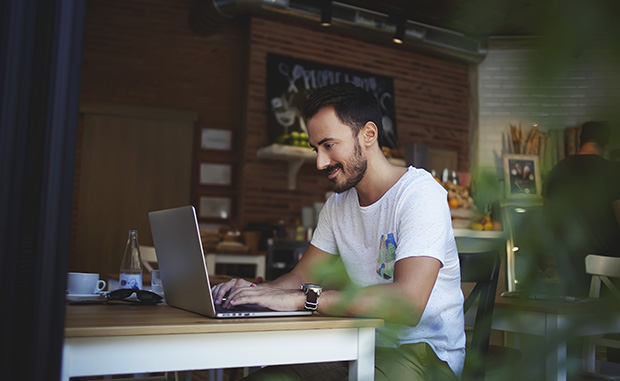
(143, 296)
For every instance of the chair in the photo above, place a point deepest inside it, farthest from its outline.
(481, 268)
(149, 257)
(601, 268)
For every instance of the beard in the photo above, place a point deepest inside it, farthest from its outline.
(356, 169)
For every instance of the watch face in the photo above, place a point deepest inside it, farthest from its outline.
(312, 287)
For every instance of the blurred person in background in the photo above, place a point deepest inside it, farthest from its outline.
(582, 204)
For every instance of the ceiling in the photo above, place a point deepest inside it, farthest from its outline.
(453, 28)
(492, 18)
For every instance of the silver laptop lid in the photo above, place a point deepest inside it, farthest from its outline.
(181, 260)
(183, 269)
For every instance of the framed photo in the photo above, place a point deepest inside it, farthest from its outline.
(215, 174)
(216, 139)
(214, 207)
(522, 176)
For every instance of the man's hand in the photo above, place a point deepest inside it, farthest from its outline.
(220, 291)
(277, 299)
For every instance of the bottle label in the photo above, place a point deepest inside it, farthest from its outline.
(133, 281)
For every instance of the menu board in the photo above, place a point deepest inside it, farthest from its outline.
(289, 80)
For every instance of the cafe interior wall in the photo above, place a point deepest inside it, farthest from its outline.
(431, 97)
(524, 82)
(143, 53)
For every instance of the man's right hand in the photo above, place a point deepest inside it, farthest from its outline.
(220, 291)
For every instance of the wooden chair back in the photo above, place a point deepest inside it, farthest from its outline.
(601, 268)
(481, 268)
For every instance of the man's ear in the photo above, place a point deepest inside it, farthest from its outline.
(370, 133)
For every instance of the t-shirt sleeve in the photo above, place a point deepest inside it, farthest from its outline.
(425, 225)
(323, 237)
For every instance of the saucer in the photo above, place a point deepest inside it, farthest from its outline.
(78, 297)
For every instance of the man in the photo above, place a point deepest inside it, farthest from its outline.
(582, 202)
(391, 228)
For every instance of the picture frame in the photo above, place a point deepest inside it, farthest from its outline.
(214, 207)
(522, 176)
(216, 139)
(215, 174)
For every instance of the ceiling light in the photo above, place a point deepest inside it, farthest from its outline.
(400, 33)
(326, 13)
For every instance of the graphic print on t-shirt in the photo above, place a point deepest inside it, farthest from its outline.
(387, 256)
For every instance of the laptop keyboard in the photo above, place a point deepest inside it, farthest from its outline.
(242, 307)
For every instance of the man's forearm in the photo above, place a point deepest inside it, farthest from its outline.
(381, 301)
(287, 281)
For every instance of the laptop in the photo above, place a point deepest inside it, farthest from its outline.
(183, 268)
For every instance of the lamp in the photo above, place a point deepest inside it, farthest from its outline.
(326, 13)
(399, 35)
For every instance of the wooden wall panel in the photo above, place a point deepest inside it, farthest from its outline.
(129, 165)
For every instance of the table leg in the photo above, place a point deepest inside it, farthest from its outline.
(364, 367)
(556, 350)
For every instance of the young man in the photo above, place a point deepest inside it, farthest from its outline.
(391, 228)
(582, 204)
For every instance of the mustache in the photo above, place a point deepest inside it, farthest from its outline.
(331, 168)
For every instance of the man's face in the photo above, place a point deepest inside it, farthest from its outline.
(339, 153)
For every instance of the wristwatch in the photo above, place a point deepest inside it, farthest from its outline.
(312, 292)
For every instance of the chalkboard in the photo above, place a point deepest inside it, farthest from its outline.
(289, 80)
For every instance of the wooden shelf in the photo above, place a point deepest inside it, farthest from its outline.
(295, 156)
(484, 234)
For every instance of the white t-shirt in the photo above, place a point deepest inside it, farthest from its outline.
(411, 219)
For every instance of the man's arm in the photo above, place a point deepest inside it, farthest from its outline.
(402, 301)
(291, 281)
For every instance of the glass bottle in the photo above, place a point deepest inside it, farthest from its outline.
(300, 231)
(131, 266)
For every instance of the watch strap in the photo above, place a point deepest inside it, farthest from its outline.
(312, 302)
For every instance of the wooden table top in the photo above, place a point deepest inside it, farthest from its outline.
(555, 306)
(126, 320)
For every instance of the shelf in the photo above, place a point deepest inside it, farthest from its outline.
(295, 156)
(484, 234)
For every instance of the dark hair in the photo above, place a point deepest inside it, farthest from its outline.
(594, 131)
(353, 105)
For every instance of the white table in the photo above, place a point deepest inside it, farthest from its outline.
(258, 260)
(102, 339)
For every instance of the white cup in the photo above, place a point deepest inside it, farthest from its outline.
(84, 284)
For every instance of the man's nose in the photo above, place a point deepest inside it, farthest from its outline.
(322, 161)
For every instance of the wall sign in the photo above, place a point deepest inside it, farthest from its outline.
(214, 207)
(289, 80)
(216, 139)
(215, 174)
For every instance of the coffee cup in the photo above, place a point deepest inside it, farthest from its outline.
(84, 283)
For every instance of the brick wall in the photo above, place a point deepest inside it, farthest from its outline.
(142, 52)
(431, 97)
(518, 82)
